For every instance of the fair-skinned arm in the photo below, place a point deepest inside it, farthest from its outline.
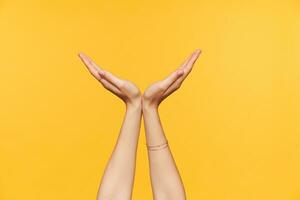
(165, 178)
(118, 178)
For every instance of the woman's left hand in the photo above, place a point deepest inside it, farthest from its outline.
(160, 90)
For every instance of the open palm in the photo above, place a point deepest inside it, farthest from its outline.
(124, 89)
(159, 90)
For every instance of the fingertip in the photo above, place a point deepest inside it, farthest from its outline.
(80, 54)
(83, 57)
(198, 51)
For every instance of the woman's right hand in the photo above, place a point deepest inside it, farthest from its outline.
(124, 89)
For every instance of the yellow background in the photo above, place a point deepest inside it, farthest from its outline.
(233, 127)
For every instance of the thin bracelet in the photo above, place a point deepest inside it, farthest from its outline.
(157, 147)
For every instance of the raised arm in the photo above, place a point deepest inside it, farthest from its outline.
(165, 179)
(118, 178)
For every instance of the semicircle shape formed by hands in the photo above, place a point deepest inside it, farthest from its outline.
(118, 178)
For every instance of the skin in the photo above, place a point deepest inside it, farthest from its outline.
(165, 179)
(118, 178)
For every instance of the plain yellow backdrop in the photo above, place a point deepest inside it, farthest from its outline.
(233, 126)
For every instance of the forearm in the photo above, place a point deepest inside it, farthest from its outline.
(118, 178)
(165, 178)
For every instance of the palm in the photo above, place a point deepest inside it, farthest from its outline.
(159, 90)
(129, 90)
(124, 89)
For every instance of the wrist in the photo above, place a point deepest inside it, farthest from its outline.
(146, 107)
(134, 104)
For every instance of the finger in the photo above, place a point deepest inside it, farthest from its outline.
(186, 61)
(91, 66)
(171, 89)
(166, 83)
(189, 65)
(181, 72)
(107, 85)
(111, 78)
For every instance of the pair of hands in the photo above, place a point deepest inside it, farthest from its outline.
(130, 93)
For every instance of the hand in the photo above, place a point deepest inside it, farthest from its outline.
(158, 91)
(124, 89)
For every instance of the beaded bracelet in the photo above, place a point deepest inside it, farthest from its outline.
(157, 147)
